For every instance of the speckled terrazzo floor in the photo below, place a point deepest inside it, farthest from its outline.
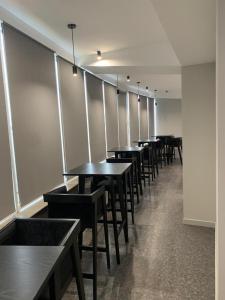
(164, 258)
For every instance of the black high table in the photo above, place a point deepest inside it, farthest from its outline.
(118, 172)
(134, 151)
(27, 271)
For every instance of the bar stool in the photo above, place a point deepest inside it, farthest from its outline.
(130, 181)
(177, 143)
(89, 208)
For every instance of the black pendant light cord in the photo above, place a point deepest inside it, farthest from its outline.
(73, 47)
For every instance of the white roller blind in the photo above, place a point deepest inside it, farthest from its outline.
(143, 118)
(122, 110)
(35, 115)
(134, 122)
(6, 185)
(73, 114)
(96, 118)
(111, 101)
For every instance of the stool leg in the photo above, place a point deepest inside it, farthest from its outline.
(180, 155)
(136, 181)
(131, 196)
(123, 208)
(114, 219)
(106, 232)
(80, 240)
(77, 271)
(94, 240)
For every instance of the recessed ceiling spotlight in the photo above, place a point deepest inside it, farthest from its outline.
(128, 78)
(155, 91)
(74, 67)
(99, 55)
(167, 91)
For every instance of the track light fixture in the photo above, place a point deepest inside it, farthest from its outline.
(72, 26)
(128, 78)
(117, 84)
(138, 84)
(99, 55)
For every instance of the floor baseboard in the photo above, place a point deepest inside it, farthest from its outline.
(196, 222)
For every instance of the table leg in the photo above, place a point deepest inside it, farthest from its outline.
(139, 172)
(81, 186)
(114, 219)
(130, 183)
(123, 207)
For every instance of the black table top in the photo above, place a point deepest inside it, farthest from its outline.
(163, 136)
(153, 140)
(24, 270)
(99, 169)
(127, 149)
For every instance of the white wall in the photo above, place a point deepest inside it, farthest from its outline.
(220, 89)
(199, 141)
(169, 117)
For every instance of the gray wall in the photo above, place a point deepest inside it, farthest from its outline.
(169, 117)
(199, 144)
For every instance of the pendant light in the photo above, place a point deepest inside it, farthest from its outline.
(128, 78)
(117, 84)
(99, 55)
(74, 67)
(138, 84)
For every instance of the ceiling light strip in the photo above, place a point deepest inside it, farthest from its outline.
(59, 99)
(118, 119)
(128, 117)
(148, 119)
(105, 122)
(87, 116)
(155, 117)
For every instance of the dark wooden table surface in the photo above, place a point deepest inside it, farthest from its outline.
(25, 271)
(126, 149)
(99, 169)
(146, 141)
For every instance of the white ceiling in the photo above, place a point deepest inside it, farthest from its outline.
(191, 28)
(143, 38)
